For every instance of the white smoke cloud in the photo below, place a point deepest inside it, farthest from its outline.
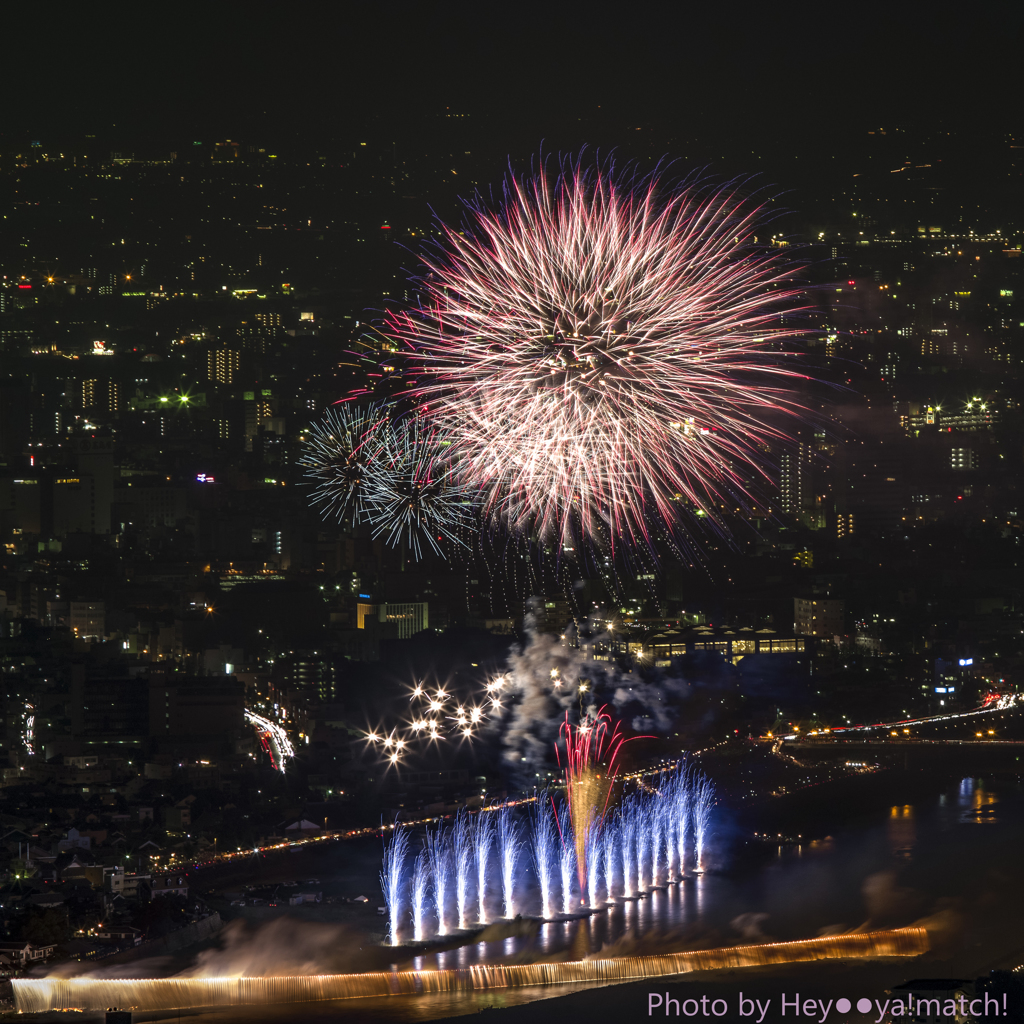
(648, 703)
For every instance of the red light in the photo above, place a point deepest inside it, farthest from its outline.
(385, 227)
(24, 286)
(851, 282)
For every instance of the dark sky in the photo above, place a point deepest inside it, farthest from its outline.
(790, 76)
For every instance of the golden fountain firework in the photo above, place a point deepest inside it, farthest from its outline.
(588, 788)
(41, 995)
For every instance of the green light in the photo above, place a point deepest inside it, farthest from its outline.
(163, 399)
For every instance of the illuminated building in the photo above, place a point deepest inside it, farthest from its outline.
(961, 458)
(817, 616)
(410, 617)
(103, 395)
(222, 365)
(308, 672)
(733, 645)
(257, 410)
(795, 479)
(976, 414)
(258, 333)
(88, 618)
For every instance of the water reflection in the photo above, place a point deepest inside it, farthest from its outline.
(902, 831)
(801, 889)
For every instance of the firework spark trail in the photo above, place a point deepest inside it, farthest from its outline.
(684, 803)
(643, 845)
(594, 842)
(567, 860)
(341, 452)
(663, 825)
(438, 849)
(510, 846)
(675, 847)
(545, 851)
(588, 788)
(414, 493)
(601, 346)
(463, 834)
(609, 848)
(420, 895)
(628, 822)
(483, 839)
(702, 802)
(648, 835)
(391, 880)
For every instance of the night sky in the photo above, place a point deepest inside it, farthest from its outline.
(787, 80)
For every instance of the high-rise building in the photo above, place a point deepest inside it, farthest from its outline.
(87, 618)
(818, 616)
(844, 524)
(410, 617)
(961, 458)
(96, 460)
(100, 395)
(257, 334)
(795, 479)
(257, 410)
(222, 365)
(74, 504)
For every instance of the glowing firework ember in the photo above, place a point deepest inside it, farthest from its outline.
(602, 346)
(339, 455)
(413, 494)
(394, 475)
(437, 715)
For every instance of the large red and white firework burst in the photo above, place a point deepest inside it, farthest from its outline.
(602, 349)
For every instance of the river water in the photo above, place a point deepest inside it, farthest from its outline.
(951, 858)
(940, 855)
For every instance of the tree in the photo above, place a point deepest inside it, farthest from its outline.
(44, 927)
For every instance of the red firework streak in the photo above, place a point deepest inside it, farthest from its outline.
(587, 747)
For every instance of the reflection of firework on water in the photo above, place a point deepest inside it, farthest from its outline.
(273, 739)
(413, 493)
(436, 715)
(601, 346)
(339, 456)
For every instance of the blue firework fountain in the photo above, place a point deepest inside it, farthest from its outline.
(526, 858)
